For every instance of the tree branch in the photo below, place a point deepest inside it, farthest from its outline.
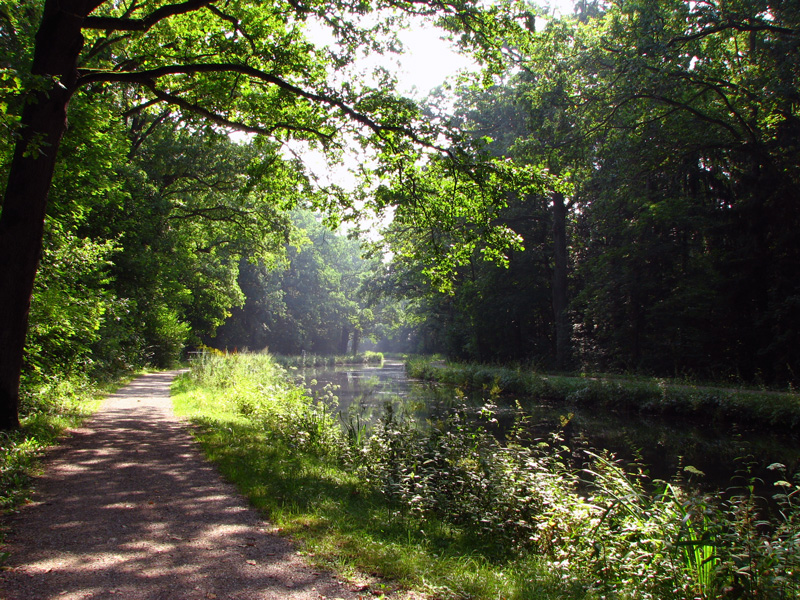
(237, 25)
(691, 110)
(146, 78)
(225, 214)
(137, 142)
(225, 122)
(735, 26)
(143, 24)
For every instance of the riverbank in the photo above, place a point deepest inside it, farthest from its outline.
(307, 360)
(447, 511)
(749, 409)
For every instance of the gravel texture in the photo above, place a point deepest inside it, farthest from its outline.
(128, 509)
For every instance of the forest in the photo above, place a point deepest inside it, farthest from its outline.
(612, 192)
(609, 194)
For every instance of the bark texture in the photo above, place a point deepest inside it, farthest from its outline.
(44, 121)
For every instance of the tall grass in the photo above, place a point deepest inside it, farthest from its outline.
(447, 509)
(325, 360)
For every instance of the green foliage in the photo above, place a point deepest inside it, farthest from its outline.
(317, 360)
(254, 386)
(446, 216)
(48, 407)
(310, 302)
(672, 209)
(147, 167)
(309, 493)
(663, 227)
(69, 305)
(447, 509)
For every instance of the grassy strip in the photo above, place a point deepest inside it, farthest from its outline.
(266, 447)
(755, 409)
(46, 411)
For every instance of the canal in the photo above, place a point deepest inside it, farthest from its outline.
(664, 447)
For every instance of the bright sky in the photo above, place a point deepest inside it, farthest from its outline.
(427, 62)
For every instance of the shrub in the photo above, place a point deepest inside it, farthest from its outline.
(256, 387)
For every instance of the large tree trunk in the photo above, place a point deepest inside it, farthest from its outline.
(44, 120)
(563, 338)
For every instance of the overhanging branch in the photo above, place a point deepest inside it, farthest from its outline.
(742, 27)
(237, 25)
(148, 77)
(145, 23)
(225, 122)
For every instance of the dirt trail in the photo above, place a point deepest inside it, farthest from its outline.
(129, 509)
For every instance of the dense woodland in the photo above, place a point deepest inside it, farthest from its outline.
(616, 190)
(670, 245)
(664, 241)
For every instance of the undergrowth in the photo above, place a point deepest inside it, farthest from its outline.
(46, 410)
(324, 360)
(447, 509)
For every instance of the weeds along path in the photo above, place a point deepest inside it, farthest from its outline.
(128, 509)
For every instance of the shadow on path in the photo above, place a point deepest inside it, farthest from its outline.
(128, 509)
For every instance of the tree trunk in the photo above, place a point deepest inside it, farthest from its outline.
(44, 120)
(356, 341)
(560, 282)
(344, 340)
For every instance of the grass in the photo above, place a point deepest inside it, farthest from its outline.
(448, 511)
(342, 523)
(755, 409)
(320, 360)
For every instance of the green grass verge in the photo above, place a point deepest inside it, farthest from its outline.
(325, 360)
(448, 510)
(342, 524)
(752, 408)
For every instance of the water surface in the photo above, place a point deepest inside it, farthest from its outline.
(665, 446)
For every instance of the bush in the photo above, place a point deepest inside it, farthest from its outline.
(47, 407)
(256, 387)
(635, 537)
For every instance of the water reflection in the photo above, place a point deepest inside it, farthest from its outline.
(664, 446)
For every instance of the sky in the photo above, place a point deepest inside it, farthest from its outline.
(428, 61)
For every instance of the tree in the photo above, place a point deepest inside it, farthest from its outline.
(686, 110)
(676, 125)
(246, 65)
(309, 301)
(525, 120)
(450, 257)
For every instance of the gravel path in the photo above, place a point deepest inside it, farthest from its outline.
(129, 509)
